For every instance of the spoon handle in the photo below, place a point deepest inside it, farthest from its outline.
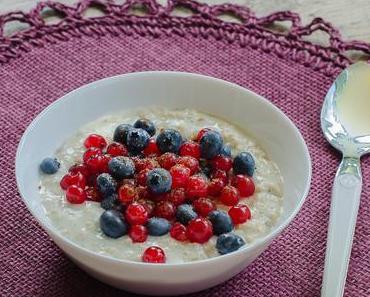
(343, 213)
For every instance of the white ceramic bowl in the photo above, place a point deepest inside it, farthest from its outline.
(273, 130)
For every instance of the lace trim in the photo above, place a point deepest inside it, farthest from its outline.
(204, 22)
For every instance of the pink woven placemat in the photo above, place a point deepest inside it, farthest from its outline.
(45, 61)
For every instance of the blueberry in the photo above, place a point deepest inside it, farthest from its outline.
(244, 164)
(169, 140)
(106, 184)
(137, 139)
(227, 243)
(185, 213)
(49, 165)
(226, 151)
(147, 125)
(113, 224)
(158, 226)
(111, 202)
(121, 167)
(120, 133)
(211, 144)
(221, 222)
(159, 180)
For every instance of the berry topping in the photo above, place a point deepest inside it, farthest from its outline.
(222, 163)
(158, 226)
(49, 165)
(229, 196)
(127, 193)
(93, 194)
(226, 151)
(203, 206)
(197, 187)
(201, 133)
(136, 214)
(116, 149)
(146, 163)
(244, 164)
(146, 125)
(215, 187)
(199, 230)
(98, 163)
(75, 195)
(167, 160)
(148, 204)
(154, 254)
(106, 184)
(191, 149)
(221, 175)
(221, 222)
(121, 167)
(177, 196)
(95, 140)
(169, 140)
(120, 133)
(190, 162)
(227, 243)
(113, 224)
(111, 202)
(142, 177)
(91, 152)
(210, 144)
(240, 214)
(178, 232)
(180, 176)
(185, 213)
(137, 140)
(244, 184)
(159, 181)
(152, 148)
(82, 168)
(165, 209)
(76, 179)
(138, 233)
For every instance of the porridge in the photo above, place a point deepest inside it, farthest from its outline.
(179, 187)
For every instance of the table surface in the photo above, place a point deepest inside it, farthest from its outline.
(351, 17)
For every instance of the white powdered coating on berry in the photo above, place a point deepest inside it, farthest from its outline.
(80, 223)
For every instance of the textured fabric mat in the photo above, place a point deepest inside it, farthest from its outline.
(45, 61)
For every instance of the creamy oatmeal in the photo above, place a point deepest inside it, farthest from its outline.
(80, 223)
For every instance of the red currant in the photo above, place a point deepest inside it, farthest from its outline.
(178, 232)
(165, 209)
(197, 187)
(244, 184)
(229, 196)
(177, 196)
(98, 164)
(104, 163)
(75, 195)
(221, 175)
(148, 204)
(222, 163)
(117, 149)
(95, 140)
(127, 193)
(240, 214)
(93, 194)
(136, 214)
(180, 176)
(73, 179)
(167, 160)
(201, 133)
(190, 162)
(203, 206)
(154, 254)
(138, 233)
(151, 149)
(142, 176)
(199, 230)
(215, 187)
(82, 168)
(91, 152)
(191, 149)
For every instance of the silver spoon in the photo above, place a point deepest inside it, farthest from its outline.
(345, 122)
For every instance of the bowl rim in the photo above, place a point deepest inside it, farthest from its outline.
(101, 82)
